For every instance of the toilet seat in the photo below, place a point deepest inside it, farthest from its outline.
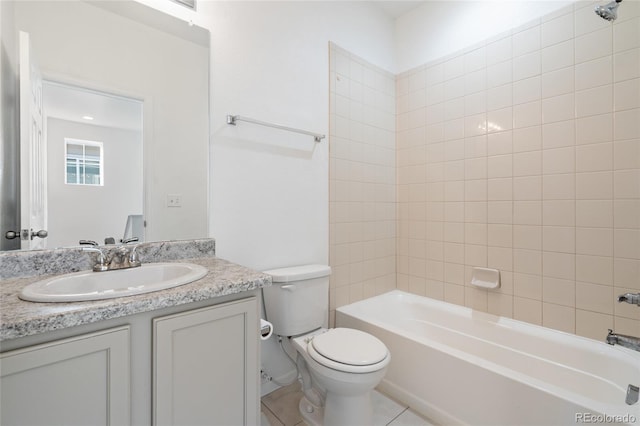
(348, 350)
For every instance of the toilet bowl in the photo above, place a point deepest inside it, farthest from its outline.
(339, 367)
(346, 364)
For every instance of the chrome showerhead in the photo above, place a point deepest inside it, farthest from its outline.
(608, 11)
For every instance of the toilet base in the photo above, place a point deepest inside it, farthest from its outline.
(348, 410)
(345, 411)
(312, 414)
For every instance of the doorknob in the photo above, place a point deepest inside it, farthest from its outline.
(25, 234)
(40, 234)
(10, 235)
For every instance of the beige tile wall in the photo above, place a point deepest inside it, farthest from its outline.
(362, 175)
(523, 154)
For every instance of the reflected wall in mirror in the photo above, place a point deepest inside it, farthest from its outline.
(128, 51)
(94, 156)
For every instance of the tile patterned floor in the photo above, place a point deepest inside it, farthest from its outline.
(280, 407)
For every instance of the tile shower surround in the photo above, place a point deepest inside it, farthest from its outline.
(521, 153)
(362, 176)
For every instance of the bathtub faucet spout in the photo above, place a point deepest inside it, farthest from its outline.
(623, 340)
(631, 298)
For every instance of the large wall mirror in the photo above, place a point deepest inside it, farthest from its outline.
(125, 112)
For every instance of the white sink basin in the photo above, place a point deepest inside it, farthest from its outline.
(89, 285)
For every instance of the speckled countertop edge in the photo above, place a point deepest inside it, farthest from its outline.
(19, 318)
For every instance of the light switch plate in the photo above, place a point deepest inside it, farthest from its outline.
(174, 200)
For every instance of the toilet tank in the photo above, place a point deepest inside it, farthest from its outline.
(298, 300)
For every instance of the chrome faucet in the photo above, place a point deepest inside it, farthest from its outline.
(121, 257)
(632, 298)
(625, 341)
(630, 342)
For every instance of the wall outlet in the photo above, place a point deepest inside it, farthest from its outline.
(174, 200)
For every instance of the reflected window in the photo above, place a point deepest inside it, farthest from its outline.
(84, 162)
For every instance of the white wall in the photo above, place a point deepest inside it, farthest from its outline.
(269, 189)
(440, 28)
(92, 212)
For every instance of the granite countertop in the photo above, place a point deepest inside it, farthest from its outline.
(19, 318)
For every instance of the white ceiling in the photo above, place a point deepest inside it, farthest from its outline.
(394, 9)
(72, 103)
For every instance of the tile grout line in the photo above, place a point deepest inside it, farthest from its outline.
(396, 417)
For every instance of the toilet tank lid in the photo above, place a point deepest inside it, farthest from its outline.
(298, 273)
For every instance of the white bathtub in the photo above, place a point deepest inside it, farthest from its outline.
(459, 366)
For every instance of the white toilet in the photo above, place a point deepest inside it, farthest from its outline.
(339, 367)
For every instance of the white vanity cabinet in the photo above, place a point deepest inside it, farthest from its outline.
(205, 366)
(82, 380)
(191, 364)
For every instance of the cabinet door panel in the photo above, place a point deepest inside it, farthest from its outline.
(79, 381)
(205, 366)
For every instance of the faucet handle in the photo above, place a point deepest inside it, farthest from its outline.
(129, 240)
(101, 265)
(134, 260)
(87, 243)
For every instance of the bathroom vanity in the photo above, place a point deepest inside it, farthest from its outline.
(186, 355)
